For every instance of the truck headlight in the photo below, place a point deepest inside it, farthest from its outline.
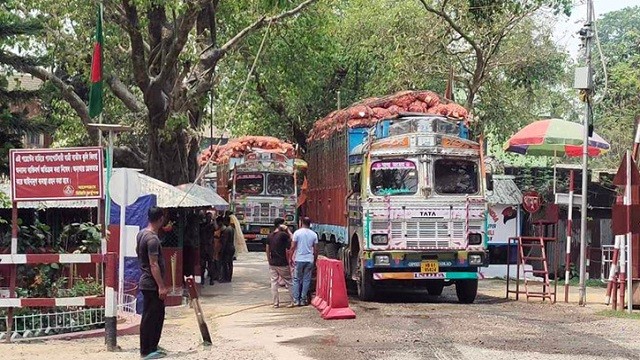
(379, 239)
(475, 259)
(381, 260)
(474, 239)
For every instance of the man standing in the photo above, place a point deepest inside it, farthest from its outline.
(276, 248)
(227, 238)
(206, 248)
(152, 285)
(305, 248)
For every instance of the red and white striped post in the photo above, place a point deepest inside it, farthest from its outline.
(623, 268)
(14, 268)
(613, 270)
(110, 306)
(567, 259)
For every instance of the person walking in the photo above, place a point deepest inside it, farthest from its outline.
(305, 250)
(227, 238)
(277, 244)
(151, 284)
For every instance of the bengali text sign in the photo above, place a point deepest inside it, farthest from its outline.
(56, 174)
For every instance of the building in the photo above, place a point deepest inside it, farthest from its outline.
(32, 107)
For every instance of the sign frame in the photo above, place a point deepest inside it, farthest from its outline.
(99, 161)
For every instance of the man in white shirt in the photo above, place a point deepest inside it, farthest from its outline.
(305, 248)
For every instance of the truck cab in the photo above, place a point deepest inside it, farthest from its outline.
(262, 188)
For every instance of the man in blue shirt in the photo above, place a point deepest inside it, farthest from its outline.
(305, 250)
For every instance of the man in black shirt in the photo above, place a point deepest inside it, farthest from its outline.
(227, 238)
(207, 228)
(276, 248)
(152, 285)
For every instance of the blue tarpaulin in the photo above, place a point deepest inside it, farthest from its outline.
(136, 215)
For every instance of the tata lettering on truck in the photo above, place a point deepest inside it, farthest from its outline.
(403, 196)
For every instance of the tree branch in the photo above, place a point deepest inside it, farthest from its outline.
(185, 24)
(67, 90)
(121, 92)
(137, 46)
(454, 26)
(211, 55)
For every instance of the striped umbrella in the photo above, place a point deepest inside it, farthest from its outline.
(554, 137)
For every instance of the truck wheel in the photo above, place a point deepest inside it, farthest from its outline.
(467, 290)
(435, 287)
(366, 292)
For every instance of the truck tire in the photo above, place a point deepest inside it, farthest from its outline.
(467, 291)
(366, 292)
(435, 288)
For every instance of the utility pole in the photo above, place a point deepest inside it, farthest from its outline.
(584, 77)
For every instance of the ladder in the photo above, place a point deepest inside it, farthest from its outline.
(530, 250)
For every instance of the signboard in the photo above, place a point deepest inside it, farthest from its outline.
(393, 165)
(502, 223)
(531, 202)
(56, 174)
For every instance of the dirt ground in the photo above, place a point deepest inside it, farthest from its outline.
(407, 326)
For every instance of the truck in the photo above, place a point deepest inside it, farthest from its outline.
(403, 200)
(260, 185)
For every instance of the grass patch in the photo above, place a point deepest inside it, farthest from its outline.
(594, 283)
(620, 314)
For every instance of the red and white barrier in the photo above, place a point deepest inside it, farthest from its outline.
(52, 302)
(19, 259)
(331, 291)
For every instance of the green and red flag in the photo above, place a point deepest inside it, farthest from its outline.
(95, 94)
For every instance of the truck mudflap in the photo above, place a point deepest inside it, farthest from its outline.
(457, 275)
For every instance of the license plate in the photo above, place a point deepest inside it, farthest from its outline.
(429, 267)
(264, 231)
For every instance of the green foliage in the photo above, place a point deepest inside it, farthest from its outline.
(614, 115)
(85, 237)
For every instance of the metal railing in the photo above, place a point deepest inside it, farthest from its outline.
(55, 321)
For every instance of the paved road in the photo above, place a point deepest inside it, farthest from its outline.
(406, 326)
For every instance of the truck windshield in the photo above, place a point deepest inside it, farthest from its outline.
(456, 176)
(249, 184)
(280, 184)
(394, 178)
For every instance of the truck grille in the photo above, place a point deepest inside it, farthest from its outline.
(426, 233)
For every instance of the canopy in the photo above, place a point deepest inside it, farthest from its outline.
(554, 137)
(206, 194)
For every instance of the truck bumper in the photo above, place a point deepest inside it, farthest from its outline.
(377, 276)
(407, 265)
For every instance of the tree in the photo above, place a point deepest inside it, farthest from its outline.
(162, 70)
(617, 110)
(365, 48)
(478, 31)
(14, 122)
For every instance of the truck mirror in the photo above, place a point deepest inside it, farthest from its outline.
(489, 180)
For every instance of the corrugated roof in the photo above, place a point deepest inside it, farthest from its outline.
(505, 191)
(168, 196)
(206, 194)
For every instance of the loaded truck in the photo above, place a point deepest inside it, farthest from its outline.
(258, 178)
(402, 196)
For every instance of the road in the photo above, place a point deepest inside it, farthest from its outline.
(406, 326)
